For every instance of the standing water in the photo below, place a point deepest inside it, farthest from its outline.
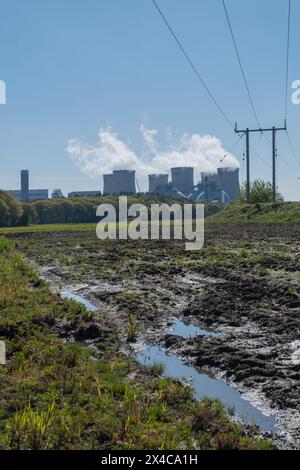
(206, 386)
(203, 384)
(189, 331)
(79, 299)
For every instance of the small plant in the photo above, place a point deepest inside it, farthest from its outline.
(158, 368)
(31, 426)
(263, 272)
(131, 329)
(5, 245)
(243, 253)
(164, 442)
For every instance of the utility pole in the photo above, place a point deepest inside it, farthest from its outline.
(274, 165)
(247, 134)
(248, 164)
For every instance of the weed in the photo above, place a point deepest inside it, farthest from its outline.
(158, 368)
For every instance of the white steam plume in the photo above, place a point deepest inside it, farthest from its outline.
(203, 152)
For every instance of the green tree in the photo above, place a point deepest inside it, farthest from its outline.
(14, 209)
(28, 216)
(4, 213)
(261, 191)
(80, 212)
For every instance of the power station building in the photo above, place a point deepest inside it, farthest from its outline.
(183, 179)
(158, 183)
(221, 186)
(26, 194)
(119, 182)
(124, 181)
(24, 185)
(108, 184)
(228, 181)
(84, 194)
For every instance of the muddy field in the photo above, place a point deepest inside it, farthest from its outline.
(244, 285)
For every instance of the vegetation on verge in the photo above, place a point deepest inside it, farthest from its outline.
(58, 395)
(267, 213)
(260, 192)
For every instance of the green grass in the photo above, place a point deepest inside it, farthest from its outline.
(240, 214)
(49, 228)
(158, 368)
(58, 395)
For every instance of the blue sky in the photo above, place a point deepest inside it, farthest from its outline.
(72, 67)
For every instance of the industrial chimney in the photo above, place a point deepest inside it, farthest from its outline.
(228, 181)
(183, 179)
(24, 185)
(124, 182)
(108, 184)
(158, 183)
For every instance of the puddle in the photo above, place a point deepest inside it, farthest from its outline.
(196, 279)
(206, 386)
(203, 384)
(79, 299)
(189, 331)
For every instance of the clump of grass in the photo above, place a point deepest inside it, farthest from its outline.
(263, 272)
(158, 368)
(5, 245)
(243, 253)
(31, 427)
(131, 329)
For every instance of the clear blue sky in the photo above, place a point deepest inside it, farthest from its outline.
(74, 66)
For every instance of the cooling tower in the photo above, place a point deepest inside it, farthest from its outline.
(24, 185)
(209, 177)
(108, 184)
(228, 181)
(124, 182)
(158, 183)
(183, 179)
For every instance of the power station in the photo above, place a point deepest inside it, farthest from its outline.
(223, 185)
(25, 194)
(228, 181)
(183, 179)
(119, 182)
(158, 183)
(108, 184)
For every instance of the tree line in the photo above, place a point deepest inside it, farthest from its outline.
(75, 210)
(14, 213)
(83, 209)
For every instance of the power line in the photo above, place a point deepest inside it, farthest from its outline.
(287, 81)
(293, 149)
(209, 92)
(287, 58)
(283, 175)
(228, 152)
(195, 70)
(240, 63)
(260, 157)
(244, 74)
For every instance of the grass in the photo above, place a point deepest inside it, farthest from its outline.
(240, 213)
(58, 395)
(49, 228)
(158, 368)
(235, 213)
